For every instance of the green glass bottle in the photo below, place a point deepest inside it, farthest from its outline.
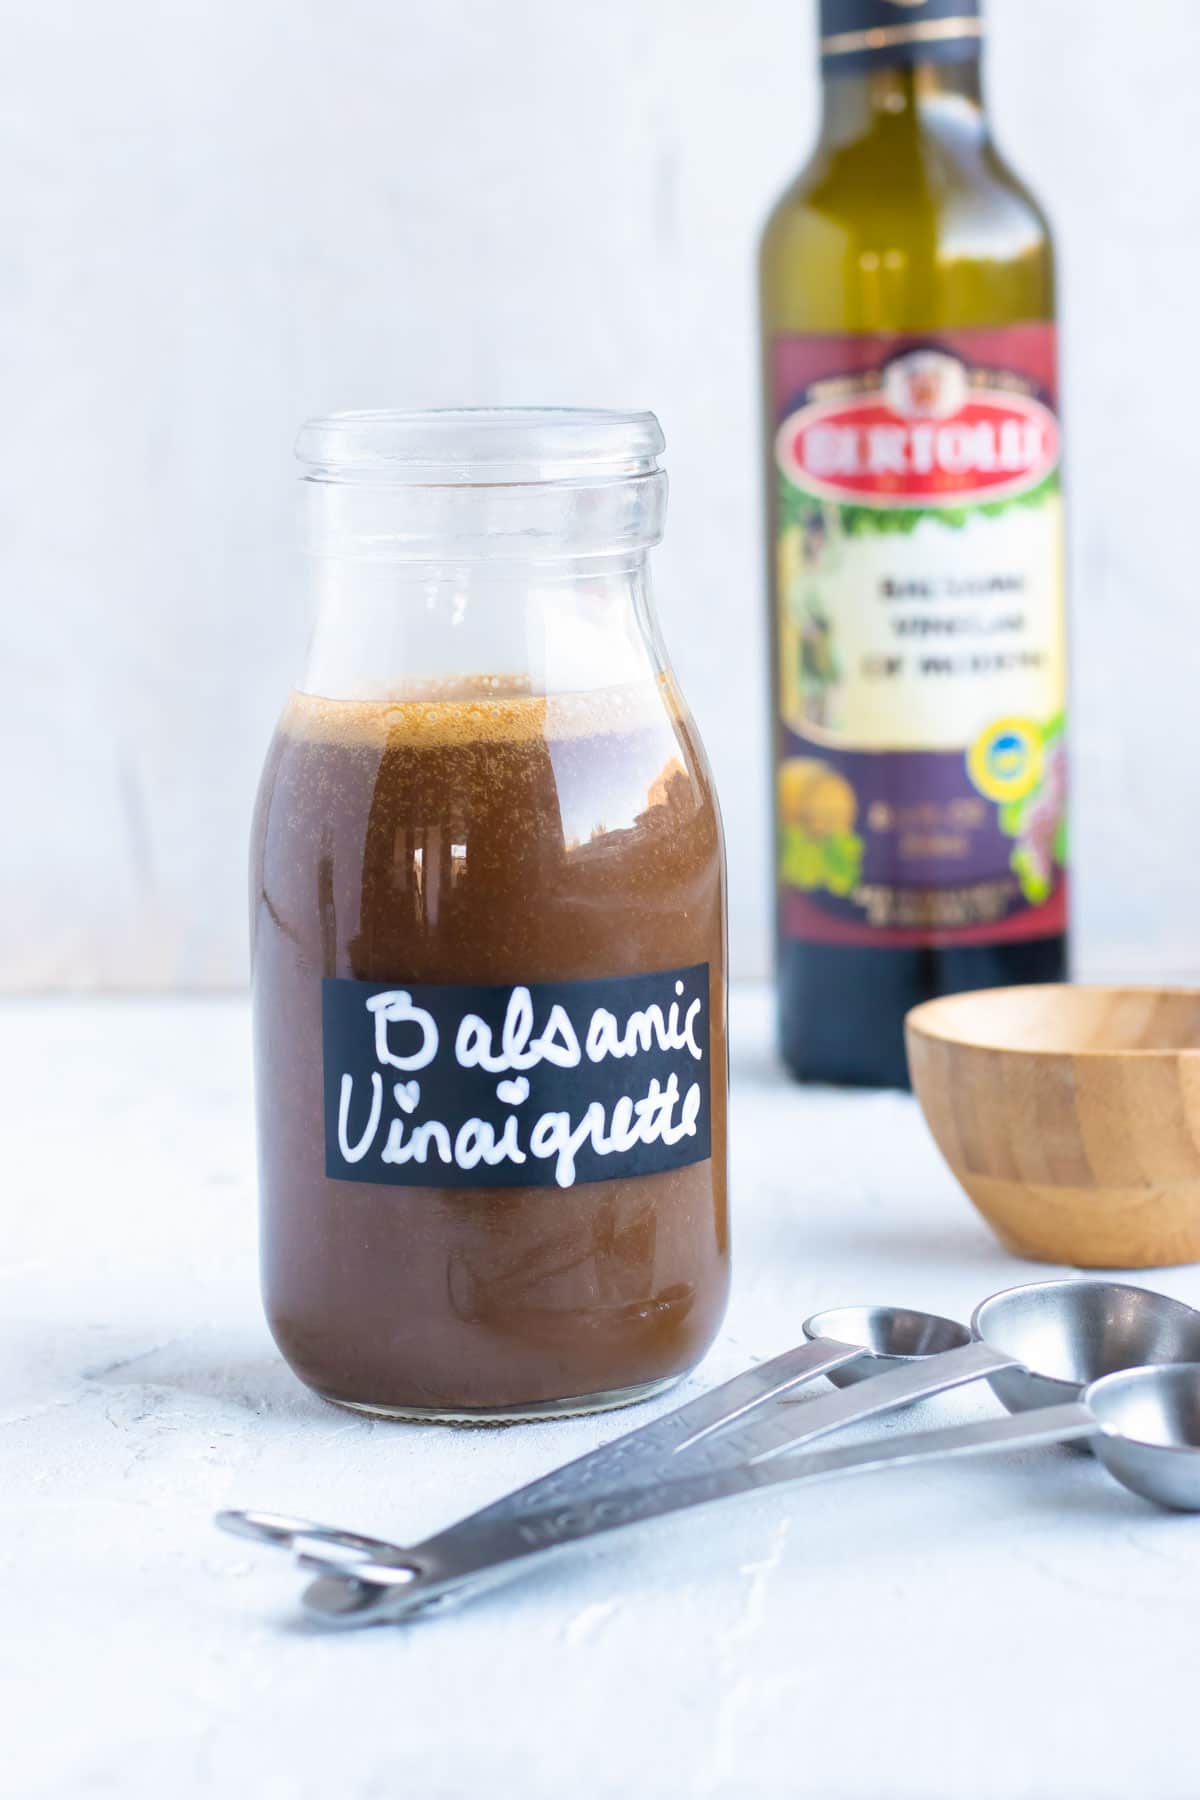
(916, 550)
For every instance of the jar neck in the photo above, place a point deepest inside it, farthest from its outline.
(903, 104)
(408, 629)
(453, 550)
(609, 518)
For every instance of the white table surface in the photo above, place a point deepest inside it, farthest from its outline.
(1020, 1628)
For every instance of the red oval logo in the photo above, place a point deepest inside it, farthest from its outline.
(927, 439)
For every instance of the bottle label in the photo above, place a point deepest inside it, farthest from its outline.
(922, 777)
(493, 1087)
(866, 34)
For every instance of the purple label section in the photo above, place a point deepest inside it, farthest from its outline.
(921, 821)
(898, 847)
(893, 839)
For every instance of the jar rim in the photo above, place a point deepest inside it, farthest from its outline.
(480, 446)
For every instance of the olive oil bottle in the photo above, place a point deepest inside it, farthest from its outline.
(916, 550)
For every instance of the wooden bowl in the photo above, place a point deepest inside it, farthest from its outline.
(1071, 1115)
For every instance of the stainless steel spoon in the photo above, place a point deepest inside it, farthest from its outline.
(892, 1338)
(920, 1353)
(1067, 1334)
(1143, 1423)
(1063, 1335)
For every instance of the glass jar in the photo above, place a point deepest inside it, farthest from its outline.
(488, 920)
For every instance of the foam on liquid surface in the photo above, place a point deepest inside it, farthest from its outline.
(483, 709)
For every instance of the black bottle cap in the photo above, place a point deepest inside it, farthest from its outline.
(867, 34)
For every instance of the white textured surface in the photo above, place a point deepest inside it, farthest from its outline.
(1021, 1630)
(219, 215)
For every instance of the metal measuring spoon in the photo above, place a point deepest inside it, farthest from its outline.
(921, 1355)
(350, 1574)
(1068, 1334)
(1062, 1335)
(1143, 1423)
(1045, 1342)
(895, 1339)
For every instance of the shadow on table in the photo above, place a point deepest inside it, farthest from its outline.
(220, 1368)
(46, 1365)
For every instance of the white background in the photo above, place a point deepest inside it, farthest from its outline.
(222, 215)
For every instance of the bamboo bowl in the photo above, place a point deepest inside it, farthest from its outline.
(1071, 1116)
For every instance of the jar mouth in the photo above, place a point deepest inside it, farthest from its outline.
(480, 446)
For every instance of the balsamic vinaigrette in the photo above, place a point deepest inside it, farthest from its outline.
(474, 843)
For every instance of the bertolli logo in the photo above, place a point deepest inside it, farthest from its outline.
(927, 437)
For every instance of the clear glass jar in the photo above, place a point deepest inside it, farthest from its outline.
(488, 919)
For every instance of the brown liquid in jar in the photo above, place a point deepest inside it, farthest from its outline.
(482, 834)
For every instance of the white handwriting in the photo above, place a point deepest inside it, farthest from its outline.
(519, 1049)
(358, 1151)
(398, 1009)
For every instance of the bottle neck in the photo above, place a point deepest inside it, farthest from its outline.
(903, 102)
(386, 630)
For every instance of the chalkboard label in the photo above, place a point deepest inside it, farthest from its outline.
(549, 1085)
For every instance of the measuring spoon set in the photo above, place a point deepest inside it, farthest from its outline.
(1113, 1368)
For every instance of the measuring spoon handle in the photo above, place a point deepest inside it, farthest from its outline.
(361, 1602)
(641, 1453)
(706, 1433)
(612, 1512)
(488, 1545)
(786, 1428)
(1027, 1431)
(635, 1456)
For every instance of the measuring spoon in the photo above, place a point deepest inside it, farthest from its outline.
(1082, 1328)
(1064, 1334)
(893, 1338)
(1144, 1425)
(1069, 1333)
